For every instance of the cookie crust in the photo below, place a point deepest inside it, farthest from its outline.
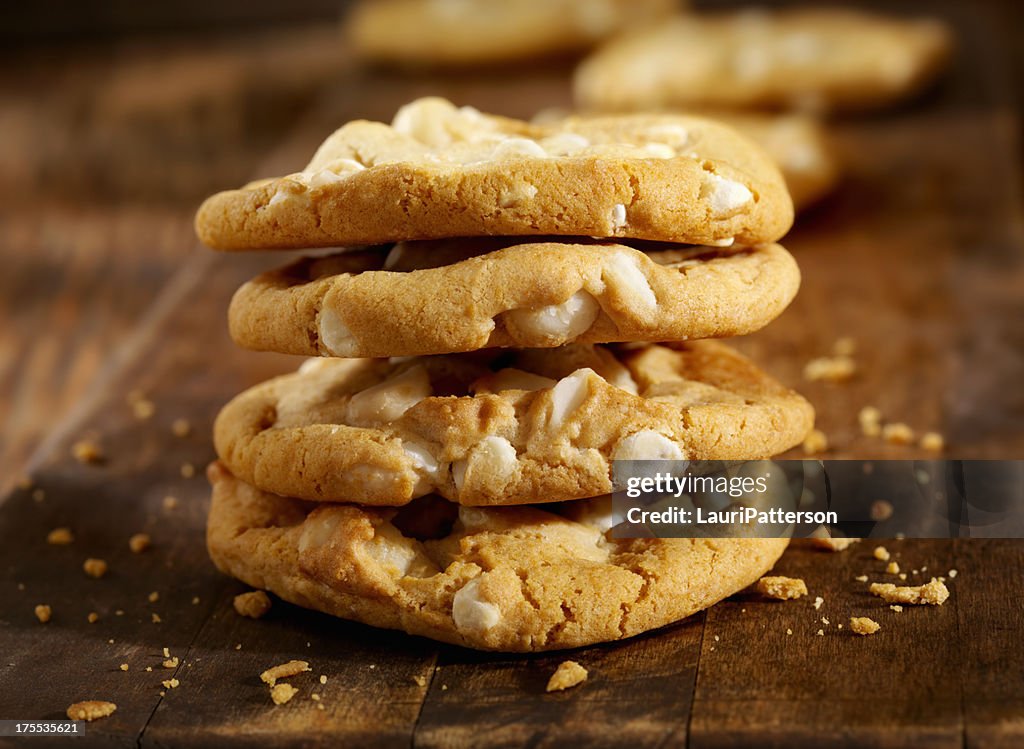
(516, 579)
(502, 428)
(529, 294)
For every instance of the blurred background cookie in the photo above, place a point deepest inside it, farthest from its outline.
(806, 59)
(470, 32)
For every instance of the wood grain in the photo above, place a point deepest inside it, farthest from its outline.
(917, 257)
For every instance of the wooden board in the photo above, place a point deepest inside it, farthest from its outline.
(918, 257)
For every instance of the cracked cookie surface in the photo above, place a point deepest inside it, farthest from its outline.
(502, 426)
(439, 171)
(810, 59)
(469, 32)
(510, 579)
(462, 295)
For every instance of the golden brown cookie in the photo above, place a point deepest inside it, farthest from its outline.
(445, 296)
(510, 578)
(799, 146)
(502, 427)
(811, 59)
(440, 171)
(472, 32)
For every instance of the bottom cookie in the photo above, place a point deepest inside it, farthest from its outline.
(520, 579)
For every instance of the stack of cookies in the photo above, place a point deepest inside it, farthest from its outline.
(483, 355)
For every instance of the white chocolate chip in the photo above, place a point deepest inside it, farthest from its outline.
(623, 272)
(470, 612)
(280, 196)
(646, 445)
(568, 395)
(493, 458)
(397, 555)
(727, 242)
(564, 144)
(618, 215)
(318, 529)
(335, 335)
(724, 195)
(660, 150)
(387, 401)
(474, 517)
(557, 322)
(424, 464)
(519, 148)
(520, 193)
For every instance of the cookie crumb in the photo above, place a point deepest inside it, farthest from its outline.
(820, 633)
(172, 662)
(830, 543)
(881, 510)
(90, 710)
(898, 434)
(862, 625)
(60, 537)
(420, 680)
(870, 420)
(789, 631)
(896, 607)
(187, 470)
(282, 693)
(139, 542)
(181, 428)
(881, 554)
(149, 669)
(195, 600)
(952, 574)
(43, 613)
(825, 621)
(253, 604)
(861, 578)
(323, 678)
(154, 596)
(170, 502)
(830, 369)
(143, 409)
(87, 451)
(818, 600)
(171, 684)
(93, 617)
(568, 674)
(156, 618)
(167, 652)
(124, 666)
(284, 671)
(933, 593)
(315, 697)
(932, 442)
(893, 568)
(95, 567)
(815, 442)
(781, 588)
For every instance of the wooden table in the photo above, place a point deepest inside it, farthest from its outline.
(918, 257)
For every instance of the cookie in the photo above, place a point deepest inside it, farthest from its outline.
(810, 59)
(799, 146)
(509, 578)
(453, 33)
(501, 427)
(446, 296)
(440, 171)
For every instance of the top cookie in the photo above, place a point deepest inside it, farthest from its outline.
(470, 32)
(813, 59)
(439, 171)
